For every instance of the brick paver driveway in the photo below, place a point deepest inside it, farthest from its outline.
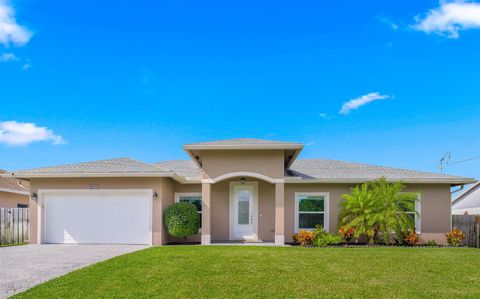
(22, 267)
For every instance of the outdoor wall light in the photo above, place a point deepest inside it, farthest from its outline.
(242, 181)
(34, 196)
(155, 195)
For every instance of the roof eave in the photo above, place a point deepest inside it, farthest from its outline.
(284, 146)
(88, 175)
(26, 192)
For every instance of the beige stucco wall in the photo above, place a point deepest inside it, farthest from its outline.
(10, 200)
(266, 162)
(157, 184)
(435, 207)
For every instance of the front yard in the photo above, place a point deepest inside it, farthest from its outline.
(241, 271)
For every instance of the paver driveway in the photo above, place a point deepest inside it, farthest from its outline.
(22, 267)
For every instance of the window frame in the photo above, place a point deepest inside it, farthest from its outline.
(417, 213)
(326, 209)
(178, 195)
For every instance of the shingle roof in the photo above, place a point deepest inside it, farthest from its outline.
(329, 170)
(318, 169)
(117, 166)
(11, 185)
(184, 168)
(243, 141)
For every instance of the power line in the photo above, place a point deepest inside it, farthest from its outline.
(461, 161)
(446, 159)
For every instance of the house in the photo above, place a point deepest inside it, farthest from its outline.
(246, 189)
(13, 193)
(468, 202)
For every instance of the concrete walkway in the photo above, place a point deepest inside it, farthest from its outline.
(22, 267)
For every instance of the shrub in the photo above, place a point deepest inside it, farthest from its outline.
(303, 238)
(347, 233)
(431, 243)
(182, 220)
(454, 237)
(411, 238)
(323, 238)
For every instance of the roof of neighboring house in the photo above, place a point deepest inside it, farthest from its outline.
(112, 167)
(470, 193)
(11, 185)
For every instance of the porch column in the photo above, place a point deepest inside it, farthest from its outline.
(206, 213)
(279, 213)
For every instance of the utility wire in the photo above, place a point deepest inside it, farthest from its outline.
(461, 161)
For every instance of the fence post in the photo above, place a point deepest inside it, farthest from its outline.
(478, 231)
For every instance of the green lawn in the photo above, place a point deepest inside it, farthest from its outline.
(259, 272)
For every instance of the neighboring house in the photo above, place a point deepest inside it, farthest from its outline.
(13, 194)
(468, 202)
(247, 189)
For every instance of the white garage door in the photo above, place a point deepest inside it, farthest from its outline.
(98, 217)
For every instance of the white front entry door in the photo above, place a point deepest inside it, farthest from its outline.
(244, 212)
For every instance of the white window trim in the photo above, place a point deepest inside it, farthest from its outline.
(189, 194)
(326, 205)
(418, 214)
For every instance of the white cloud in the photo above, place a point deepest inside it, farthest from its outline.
(10, 31)
(26, 66)
(323, 115)
(388, 22)
(450, 18)
(8, 57)
(17, 134)
(360, 101)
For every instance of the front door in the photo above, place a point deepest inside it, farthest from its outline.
(244, 213)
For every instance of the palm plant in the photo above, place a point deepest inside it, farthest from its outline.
(391, 206)
(378, 207)
(357, 211)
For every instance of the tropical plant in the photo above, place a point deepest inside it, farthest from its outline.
(324, 238)
(378, 208)
(411, 238)
(182, 220)
(303, 237)
(431, 243)
(357, 211)
(454, 237)
(347, 233)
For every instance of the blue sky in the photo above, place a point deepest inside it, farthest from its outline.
(88, 80)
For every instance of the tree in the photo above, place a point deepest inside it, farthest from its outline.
(378, 207)
(182, 220)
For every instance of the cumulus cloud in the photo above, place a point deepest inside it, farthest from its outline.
(10, 31)
(356, 103)
(449, 18)
(8, 57)
(17, 134)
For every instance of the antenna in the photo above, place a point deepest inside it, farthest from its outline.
(446, 159)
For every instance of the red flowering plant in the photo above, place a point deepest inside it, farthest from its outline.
(454, 237)
(347, 233)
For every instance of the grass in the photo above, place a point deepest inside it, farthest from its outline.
(263, 272)
(16, 244)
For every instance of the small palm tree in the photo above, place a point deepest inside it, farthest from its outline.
(357, 211)
(378, 207)
(391, 206)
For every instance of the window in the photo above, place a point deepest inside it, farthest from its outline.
(193, 198)
(415, 215)
(22, 205)
(311, 209)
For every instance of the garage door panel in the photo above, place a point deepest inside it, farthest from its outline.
(98, 218)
